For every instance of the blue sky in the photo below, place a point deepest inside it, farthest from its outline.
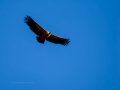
(89, 62)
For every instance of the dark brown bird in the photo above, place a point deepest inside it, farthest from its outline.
(43, 34)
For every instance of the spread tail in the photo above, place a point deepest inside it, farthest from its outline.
(39, 40)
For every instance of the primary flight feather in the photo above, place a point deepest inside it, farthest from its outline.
(43, 34)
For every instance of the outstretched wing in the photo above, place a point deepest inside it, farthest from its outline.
(36, 28)
(58, 40)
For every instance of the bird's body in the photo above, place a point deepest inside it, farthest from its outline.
(43, 37)
(43, 34)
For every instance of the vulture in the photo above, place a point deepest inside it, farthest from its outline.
(43, 35)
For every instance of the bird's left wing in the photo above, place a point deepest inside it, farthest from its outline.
(58, 40)
(35, 27)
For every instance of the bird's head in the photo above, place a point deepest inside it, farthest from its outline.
(48, 33)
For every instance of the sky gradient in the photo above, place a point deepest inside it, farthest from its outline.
(91, 61)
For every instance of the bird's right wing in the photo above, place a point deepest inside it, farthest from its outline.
(35, 27)
(58, 40)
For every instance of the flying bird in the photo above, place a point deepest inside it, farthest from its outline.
(43, 34)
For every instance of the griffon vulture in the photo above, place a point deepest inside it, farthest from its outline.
(43, 34)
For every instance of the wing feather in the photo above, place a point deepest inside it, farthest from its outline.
(35, 27)
(58, 40)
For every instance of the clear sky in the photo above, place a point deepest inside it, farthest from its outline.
(89, 62)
